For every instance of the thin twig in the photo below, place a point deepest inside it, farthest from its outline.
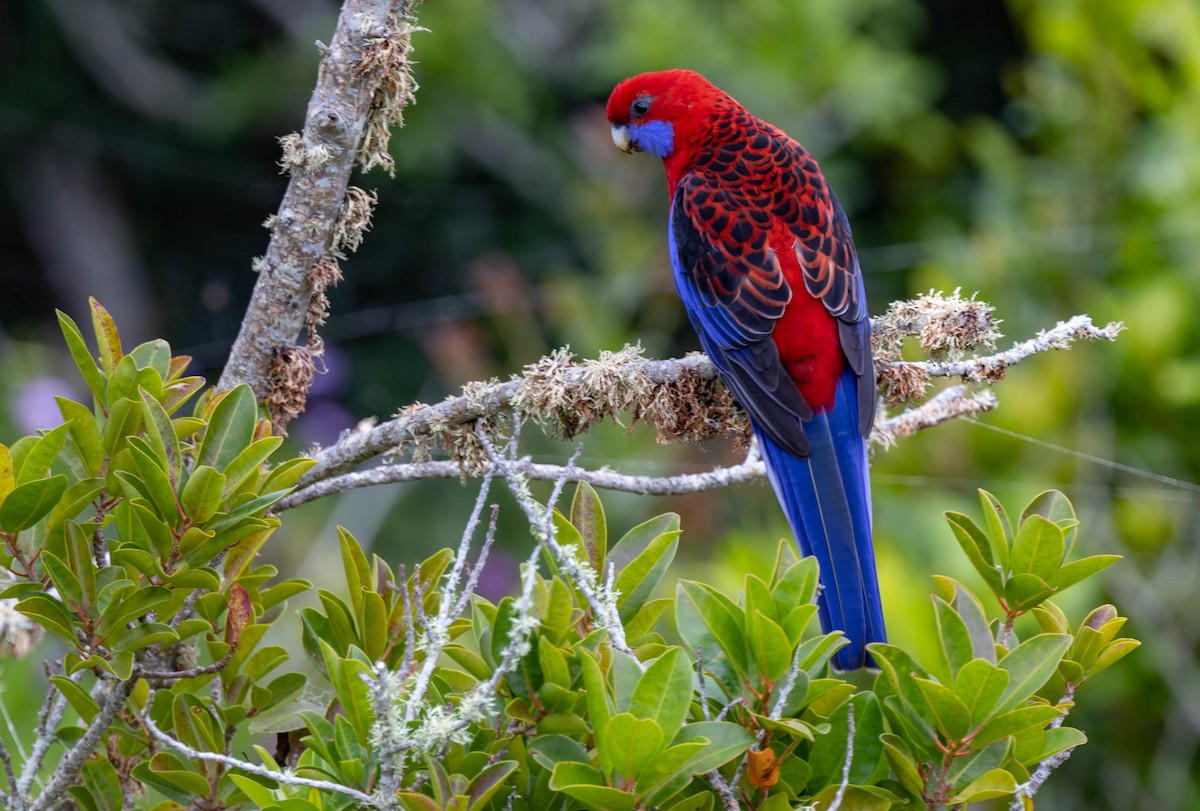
(841, 792)
(252, 768)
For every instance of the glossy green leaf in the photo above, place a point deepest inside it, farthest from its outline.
(999, 528)
(904, 767)
(587, 516)
(979, 686)
(638, 579)
(42, 454)
(250, 461)
(725, 742)
(1029, 665)
(160, 433)
(1078, 570)
(708, 621)
(977, 547)
(586, 784)
(82, 356)
(230, 428)
(201, 496)
(950, 715)
(1014, 721)
(549, 750)
(988, 786)
(1038, 548)
(664, 692)
(770, 648)
(954, 637)
(28, 503)
(136, 605)
(628, 744)
(487, 783)
(85, 432)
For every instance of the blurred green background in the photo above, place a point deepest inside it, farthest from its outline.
(1045, 153)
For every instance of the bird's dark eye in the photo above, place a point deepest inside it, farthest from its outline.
(640, 106)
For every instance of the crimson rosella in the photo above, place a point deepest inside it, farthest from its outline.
(764, 262)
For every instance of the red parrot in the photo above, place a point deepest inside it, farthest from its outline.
(766, 267)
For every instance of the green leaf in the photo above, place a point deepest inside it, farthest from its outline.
(230, 429)
(1110, 655)
(644, 620)
(770, 647)
(286, 474)
(669, 772)
(1029, 665)
(135, 605)
(1077, 570)
(988, 786)
(979, 686)
(85, 432)
(124, 417)
(964, 770)
(638, 579)
(707, 620)
(102, 784)
(950, 715)
(999, 529)
(36, 463)
(81, 355)
(201, 496)
(64, 579)
(828, 754)
(587, 516)
(978, 549)
(1056, 508)
(955, 637)
(664, 692)
(77, 697)
(161, 435)
(725, 742)
(29, 502)
(1014, 721)
(1058, 740)
(797, 586)
(586, 785)
(549, 750)
(599, 705)
(1023, 591)
(904, 766)
(107, 339)
(249, 461)
(487, 783)
(628, 744)
(52, 615)
(854, 798)
(152, 480)
(1038, 548)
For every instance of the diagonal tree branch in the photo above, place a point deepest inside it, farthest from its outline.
(362, 84)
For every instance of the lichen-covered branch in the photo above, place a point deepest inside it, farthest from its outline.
(363, 84)
(681, 397)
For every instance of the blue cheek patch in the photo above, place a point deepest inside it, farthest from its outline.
(655, 137)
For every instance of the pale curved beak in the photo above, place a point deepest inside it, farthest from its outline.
(620, 136)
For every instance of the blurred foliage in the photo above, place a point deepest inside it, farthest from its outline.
(1046, 154)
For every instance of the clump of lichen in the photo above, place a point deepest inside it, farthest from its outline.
(947, 326)
(288, 380)
(388, 55)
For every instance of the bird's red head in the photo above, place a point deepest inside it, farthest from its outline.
(667, 114)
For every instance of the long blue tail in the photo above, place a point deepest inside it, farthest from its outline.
(827, 499)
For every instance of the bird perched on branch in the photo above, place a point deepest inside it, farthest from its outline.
(766, 267)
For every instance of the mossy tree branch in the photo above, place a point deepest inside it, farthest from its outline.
(362, 85)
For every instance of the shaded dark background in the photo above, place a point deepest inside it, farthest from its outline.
(1044, 154)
